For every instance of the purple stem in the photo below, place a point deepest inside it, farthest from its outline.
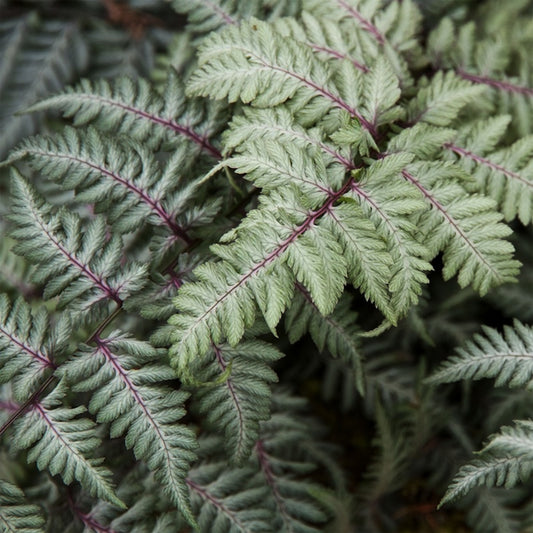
(226, 17)
(311, 219)
(496, 84)
(486, 162)
(365, 24)
(271, 479)
(154, 205)
(110, 292)
(233, 394)
(202, 492)
(339, 55)
(171, 124)
(435, 203)
(45, 362)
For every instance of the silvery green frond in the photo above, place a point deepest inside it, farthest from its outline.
(16, 513)
(137, 109)
(28, 345)
(233, 393)
(81, 268)
(123, 179)
(505, 174)
(507, 357)
(127, 380)
(62, 441)
(505, 461)
(466, 227)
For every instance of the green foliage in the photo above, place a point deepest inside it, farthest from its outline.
(269, 191)
(15, 513)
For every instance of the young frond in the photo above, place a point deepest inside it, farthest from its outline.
(81, 268)
(505, 461)
(126, 377)
(508, 357)
(123, 179)
(59, 440)
(466, 227)
(38, 57)
(234, 393)
(136, 109)
(27, 347)
(16, 514)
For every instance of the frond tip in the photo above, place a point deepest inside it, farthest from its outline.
(507, 357)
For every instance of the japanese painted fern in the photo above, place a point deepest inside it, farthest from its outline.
(321, 168)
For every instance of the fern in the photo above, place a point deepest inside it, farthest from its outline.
(15, 513)
(59, 440)
(286, 197)
(126, 398)
(90, 269)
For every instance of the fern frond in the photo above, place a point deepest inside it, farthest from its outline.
(493, 511)
(280, 453)
(60, 441)
(205, 16)
(439, 100)
(229, 500)
(38, 57)
(83, 270)
(505, 174)
(508, 357)
(126, 379)
(27, 346)
(466, 227)
(324, 38)
(234, 404)
(136, 109)
(237, 64)
(385, 474)
(506, 460)
(124, 180)
(16, 514)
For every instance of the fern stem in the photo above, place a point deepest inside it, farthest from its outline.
(31, 400)
(453, 223)
(486, 162)
(365, 23)
(84, 269)
(226, 17)
(36, 355)
(37, 394)
(87, 520)
(233, 394)
(339, 55)
(271, 481)
(153, 204)
(202, 492)
(496, 84)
